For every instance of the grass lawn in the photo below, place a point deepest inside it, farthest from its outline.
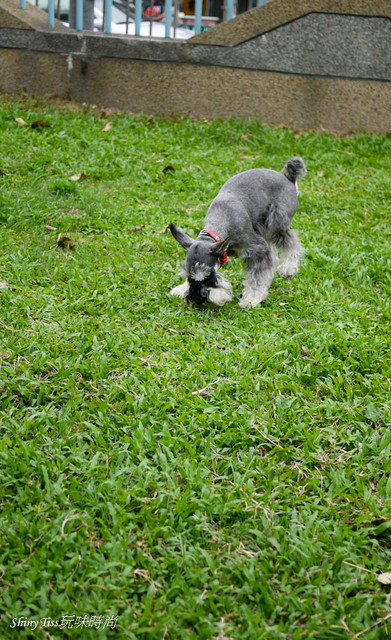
(197, 474)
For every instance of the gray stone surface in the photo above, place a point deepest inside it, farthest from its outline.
(278, 13)
(324, 45)
(308, 46)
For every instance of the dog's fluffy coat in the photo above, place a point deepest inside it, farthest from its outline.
(251, 215)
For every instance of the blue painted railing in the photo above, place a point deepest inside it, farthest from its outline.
(168, 5)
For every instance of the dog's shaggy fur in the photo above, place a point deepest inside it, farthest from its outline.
(250, 217)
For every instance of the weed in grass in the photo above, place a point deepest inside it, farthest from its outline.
(197, 474)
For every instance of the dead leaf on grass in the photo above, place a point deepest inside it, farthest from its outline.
(384, 578)
(39, 123)
(108, 126)
(4, 284)
(77, 176)
(132, 229)
(20, 122)
(109, 111)
(65, 242)
(49, 227)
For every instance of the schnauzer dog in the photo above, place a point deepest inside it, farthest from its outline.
(249, 218)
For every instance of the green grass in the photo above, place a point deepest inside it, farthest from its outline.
(259, 508)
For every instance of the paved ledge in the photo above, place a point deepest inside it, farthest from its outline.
(13, 17)
(276, 13)
(300, 47)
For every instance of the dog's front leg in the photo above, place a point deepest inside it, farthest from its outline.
(261, 263)
(181, 291)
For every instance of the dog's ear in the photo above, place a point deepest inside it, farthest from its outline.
(222, 246)
(180, 236)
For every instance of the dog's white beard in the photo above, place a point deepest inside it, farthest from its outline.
(217, 295)
(221, 294)
(181, 290)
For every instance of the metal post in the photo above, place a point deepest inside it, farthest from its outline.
(229, 10)
(137, 16)
(108, 16)
(127, 16)
(79, 15)
(151, 6)
(198, 16)
(167, 13)
(175, 16)
(51, 11)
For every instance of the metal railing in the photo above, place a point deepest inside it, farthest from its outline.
(170, 13)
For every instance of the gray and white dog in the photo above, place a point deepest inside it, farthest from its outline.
(250, 218)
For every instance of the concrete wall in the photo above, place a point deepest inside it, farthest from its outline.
(323, 64)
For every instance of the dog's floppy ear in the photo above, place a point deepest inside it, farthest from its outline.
(180, 236)
(222, 246)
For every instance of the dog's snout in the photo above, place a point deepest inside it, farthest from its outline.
(199, 289)
(198, 292)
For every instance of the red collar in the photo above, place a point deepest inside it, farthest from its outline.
(216, 238)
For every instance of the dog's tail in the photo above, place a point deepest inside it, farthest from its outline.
(295, 168)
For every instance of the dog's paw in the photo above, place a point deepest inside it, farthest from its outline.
(288, 269)
(219, 296)
(181, 290)
(287, 274)
(251, 299)
(289, 264)
(245, 304)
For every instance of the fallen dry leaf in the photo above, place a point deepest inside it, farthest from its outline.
(142, 226)
(65, 242)
(39, 123)
(164, 229)
(384, 578)
(20, 122)
(49, 227)
(205, 390)
(109, 111)
(305, 352)
(4, 284)
(108, 126)
(201, 392)
(78, 176)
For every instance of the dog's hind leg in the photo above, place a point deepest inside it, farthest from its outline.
(291, 252)
(261, 263)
